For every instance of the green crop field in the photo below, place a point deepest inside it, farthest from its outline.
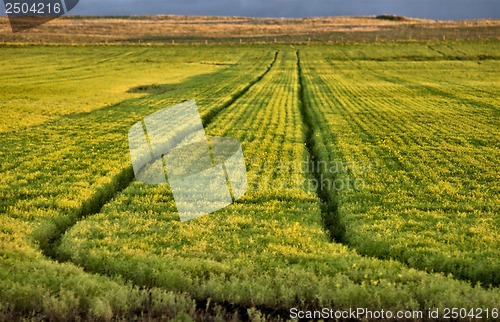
(372, 171)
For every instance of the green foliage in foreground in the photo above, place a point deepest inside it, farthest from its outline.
(55, 173)
(422, 138)
(270, 250)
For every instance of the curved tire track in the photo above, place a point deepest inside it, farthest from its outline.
(125, 177)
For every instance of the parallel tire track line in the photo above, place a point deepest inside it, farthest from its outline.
(125, 177)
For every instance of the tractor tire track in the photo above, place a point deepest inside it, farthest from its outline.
(206, 307)
(125, 177)
(329, 201)
(330, 204)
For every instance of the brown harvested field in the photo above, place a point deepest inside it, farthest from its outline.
(177, 29)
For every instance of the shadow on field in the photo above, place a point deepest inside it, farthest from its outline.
(100, 138)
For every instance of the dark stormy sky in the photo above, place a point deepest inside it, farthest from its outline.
(432, 9)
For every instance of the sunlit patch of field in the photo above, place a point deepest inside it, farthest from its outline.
(81, 239)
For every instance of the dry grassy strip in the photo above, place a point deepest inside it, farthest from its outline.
(269, 250)
(430, 202)
(236, 30)
(68, 168)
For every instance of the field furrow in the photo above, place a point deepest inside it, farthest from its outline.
(268, 250)
(371, 181)
(429, 202)
(66, 169)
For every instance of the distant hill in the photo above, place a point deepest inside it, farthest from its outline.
(202, 30)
